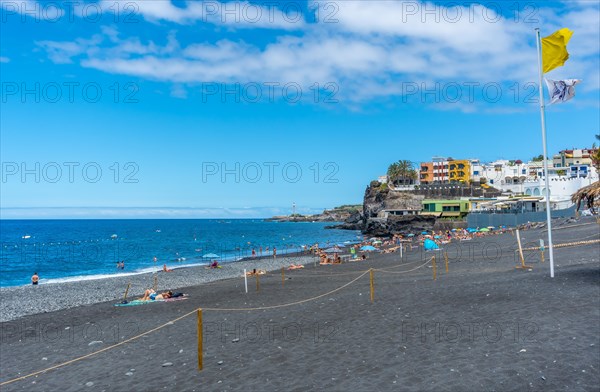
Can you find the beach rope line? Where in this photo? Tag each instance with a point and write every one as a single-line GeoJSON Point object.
{"type": "Point", "coordinates": [570, 227]}
{"type": "Point", "coordinates": [567, 244]}
{"type": "Point", "coordinates": [63, 364]}
{"type": "Point", "coordinates": [288, 304]}
{"type": "Point", "coordinates": [387, 270]}
{"type": "Point", "coordinates": [95, 352]}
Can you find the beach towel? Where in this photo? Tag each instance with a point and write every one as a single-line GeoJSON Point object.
{"type": "Point", "coordinates": [137, 302]}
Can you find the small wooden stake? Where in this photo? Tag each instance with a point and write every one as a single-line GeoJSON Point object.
{"type": "Point", "coordinates": [126, 291]}
{"type": "Point", "coordinates": [282, 276]}
{"type": "Point", "coordinates": [200, 363]}
{"type": "Point", "coordinates": [155, 287]}
{"type": "Point", "coordinates": [522, 266]}
{"type": "Point", "coordinates": [434, 268]}
{"type": "Point", "coordinates": [257, 282]}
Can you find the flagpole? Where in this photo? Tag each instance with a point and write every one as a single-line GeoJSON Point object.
{"type": "Point", "coordinates": [546, 173]}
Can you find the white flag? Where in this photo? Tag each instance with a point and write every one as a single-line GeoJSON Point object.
{"type": "Point", "coordinates": [561, 90]}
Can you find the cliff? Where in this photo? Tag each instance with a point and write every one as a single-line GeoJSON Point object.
{"type": "Point", "coordinates": [372, 220]}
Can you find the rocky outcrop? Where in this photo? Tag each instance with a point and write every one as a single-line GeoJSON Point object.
{"type": "Point", "coordinates": [372, 221]}
{"type": "Point", "coordinates": [378, 197]}
{"type": "Point", "coordinates": [338, 214]}
{"type": "Point", "coordinates": [398, 225]}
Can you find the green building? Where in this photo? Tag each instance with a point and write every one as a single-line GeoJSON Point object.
{"type": "Point", "coordinates": [445, 208]}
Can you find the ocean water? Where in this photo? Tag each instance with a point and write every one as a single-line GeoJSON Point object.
{"type": "Point", "coordinates": [66, 250]}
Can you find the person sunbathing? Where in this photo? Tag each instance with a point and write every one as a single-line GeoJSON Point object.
{"type": "Point", "coordinates": [215, 264]}
{"type": "Point", "coordinates": [165, 269]}
{"type": "Point", "coordinates": [295, 267]}
{"type": "Point", "coordinates": [151, 295]}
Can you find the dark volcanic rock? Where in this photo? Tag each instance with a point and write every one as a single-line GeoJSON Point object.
{"type": "Point", "coordinates": [398, 225]}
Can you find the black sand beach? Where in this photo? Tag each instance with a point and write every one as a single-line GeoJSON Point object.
{"type": "Point", "coordinates": [484, 325]}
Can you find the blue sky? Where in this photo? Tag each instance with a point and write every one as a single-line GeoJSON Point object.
{"type": "Point", "coordinates": [135, 108]}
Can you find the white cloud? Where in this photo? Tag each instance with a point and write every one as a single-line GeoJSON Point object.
{"type": "Point", "coordinates": [233, 14]}
{"type": "Point", "coordinates": [39, 11]}
{"type": "Point", "coordinates": [369, 53]}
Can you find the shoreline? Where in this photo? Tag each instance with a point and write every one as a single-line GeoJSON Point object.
{"type": "Point", "coordinates": [19, 301]}
{"type": "Point", "coordinates": [146, 270]}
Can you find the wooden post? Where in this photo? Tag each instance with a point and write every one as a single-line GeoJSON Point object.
{"type": "Point", "coordinates": [520, 248]}
{"type": "Point", "coordinates": [542, 248]}
{"type": "Point", "coordinates": [434, 268]}
{"type": "Point", "coordinates": [282, 277]}
{"type": "Point", "coordinates": [446, 259]}
{"type": "Point", "coordinates": [246, 280]}
{"type": "Point", "coordinates": [155, 287]}
{"type": "Point", "coordinates": [200, 362]}
{"type": "Point", "coordinates": [522, 266]}
{"type": "Point", "coordinates": [257, 281]}
{"type": "Point", "coordinates": [126, 291]}
{"type": "Point", "coordinates": [372, 285]}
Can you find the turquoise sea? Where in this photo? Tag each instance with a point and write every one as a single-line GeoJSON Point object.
{"type": "Point", "coordinates": [62, 250]}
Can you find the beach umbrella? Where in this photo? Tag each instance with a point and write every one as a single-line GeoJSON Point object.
{"type": "Point", "coordinates": [485, 229]}
{"type": "Point", "coordinates": [424, 233]}
{"type": "Point", "coordinates": [430, 245]}
{"type": "Point", "coordinates": [211, 256]}
{"type": "Point", "coordinates": [368, 248]}
{"type": "Point", "coordinates": [437, 237]}
{"type": "Point", "coordinates": [453, 229]}
{"type": "Point", "coordinates": [340, 245]}
{"type": "Point", "coordinates": [410, 235]}
{"type": "Point", "coordinates": [377, 242]}
{"type": "Point", "coordinates": [332, 250]}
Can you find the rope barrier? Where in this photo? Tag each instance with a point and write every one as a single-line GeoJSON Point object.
{"type": "Point", "coordinates": [173, 322]}
{"type": "Point", "coordinates": [403, 272]}
{"type": "Point", "coordinates": [566, 244]}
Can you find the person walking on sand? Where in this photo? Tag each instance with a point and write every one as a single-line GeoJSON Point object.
{"type": "Point", "coordinates": [35, 279]}
{"type": "Point", "coordinates": [274, 252]}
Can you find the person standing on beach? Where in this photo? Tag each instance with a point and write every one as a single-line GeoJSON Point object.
{"type": "Point", "coordinates": [274, 252]}
{"type": "Point", "coordinates": [35, 279]}
{"type": "Point", "coordinates": [253, 253]}
{"type": "Point", "coordinates": [260, 251]}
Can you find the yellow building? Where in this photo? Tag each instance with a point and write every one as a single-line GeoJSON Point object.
{"type": "Point", "coordinates": [459, 171]}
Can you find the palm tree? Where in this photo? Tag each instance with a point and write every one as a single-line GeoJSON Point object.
{"type": "Point", "coordinates": [596, 155]}
{"type": "Point", "coordinates": [402, 173]}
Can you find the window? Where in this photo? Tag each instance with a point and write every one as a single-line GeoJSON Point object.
{"type": "Point", "coordinates": [476, 172]}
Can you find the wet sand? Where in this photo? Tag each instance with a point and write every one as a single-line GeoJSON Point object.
{"type": "Point", "coordinates": [483, 326]}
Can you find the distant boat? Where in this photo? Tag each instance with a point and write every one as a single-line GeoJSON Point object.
{"type": "Point", "coordinates": [26, 236]}
{"type": "Point", "coordinates": [113, 236]}
{"type": "Point", "coordinates": [158, 231]}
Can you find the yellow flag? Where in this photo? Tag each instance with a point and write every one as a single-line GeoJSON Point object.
{"type": "Point", "coordinates": [554, 49]}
